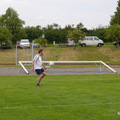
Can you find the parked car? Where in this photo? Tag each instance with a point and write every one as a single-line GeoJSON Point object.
{"type": "Point", "coordinates": [35, 45]}
{"type": "Point", "coordinates": [91, 40]}
{"type": "Point", "coordinates": [24, 43]}
{"type": "Point", "coordinates": [6, 45]}
{"type": "Point", "coordinates": [70, 42]}
{"type": "Point", "coordinates": [116, 43]}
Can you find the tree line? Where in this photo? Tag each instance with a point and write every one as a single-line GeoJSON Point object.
{"type": "Point", "coordinates": [11, 28]}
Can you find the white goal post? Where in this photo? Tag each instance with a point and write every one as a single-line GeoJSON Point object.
{"type": "Point", "coordinates": [95, 62]}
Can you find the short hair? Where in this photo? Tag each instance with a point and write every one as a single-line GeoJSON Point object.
{"type": "Point", "coordinates": [40, 50]}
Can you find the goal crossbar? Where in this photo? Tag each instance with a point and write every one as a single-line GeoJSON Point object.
{"type": "Point", "coordinates": [96, 62]}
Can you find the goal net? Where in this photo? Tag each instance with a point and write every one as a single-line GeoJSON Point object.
{"type": "Point", "coordinates": [69, 67]}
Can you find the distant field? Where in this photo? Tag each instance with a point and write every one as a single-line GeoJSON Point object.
{"type": "Point", "coordinates": [107, 53]}
{"type": "Point", "coordinates": [60, 97]}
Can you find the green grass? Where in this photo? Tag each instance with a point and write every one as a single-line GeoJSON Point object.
{"type": "Point", "coordinates": [107, 53]}
{"type": "Point", "coordinates": [60, 97]}
{"type": "Point", "coordinates": [55, 66]}
{"type": "Point", "coordinates": [9, 66]}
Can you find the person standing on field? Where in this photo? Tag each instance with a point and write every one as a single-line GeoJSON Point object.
{"type": "Point", "coordinates": [38, 66]}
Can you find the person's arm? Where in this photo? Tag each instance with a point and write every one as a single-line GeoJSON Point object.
{"type": "Point", "coordinates": [43, 66]}
{"type": "Point", "coordinates": [33, 65]}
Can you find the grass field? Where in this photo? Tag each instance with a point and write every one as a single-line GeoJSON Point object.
{"type": "Point", "coordinates": [60, 97]}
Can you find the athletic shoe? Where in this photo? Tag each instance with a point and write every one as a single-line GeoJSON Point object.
{"type": "Point", "coordinates": [37, 85]}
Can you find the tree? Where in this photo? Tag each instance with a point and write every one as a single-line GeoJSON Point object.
{"type": "Point", "coordinates": [49, 27]}
{"type": "Point", "coordinates": [11, 21]}
{"type": "Point", "coordinates": [69, 27]}
{"type": "Point", "coordinates": [5, 35]}
{"type": "Point", "coordinates": [40, 40]}
{"type": "Point", "coordinates": [113, 32]}
{"type": "Point", "coordinates": [53, 26]}
{"type": "Point", "coordinates": [33, 32]}
{"type": "Point", "coordinates": [75, 35]}
{"type": "Point", "coordinates": [56, 26]}
{"type": "Point", "coordinates": [79, 26]}
{"type": "Point", "coordinates": [59, 36]}
{"type": "Point", "coordinates": [115, 19]}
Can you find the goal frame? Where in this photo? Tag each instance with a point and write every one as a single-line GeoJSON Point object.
{"type": "Point", "coordinates": [95, 62]}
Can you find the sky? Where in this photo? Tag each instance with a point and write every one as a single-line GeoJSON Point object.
{"type": "Point", "coordinates": [91, 13]}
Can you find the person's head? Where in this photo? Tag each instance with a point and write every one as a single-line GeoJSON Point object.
{"type": "Point", "coordinates": [40, 52]}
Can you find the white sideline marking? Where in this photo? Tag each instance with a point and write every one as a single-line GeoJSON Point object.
{"type": "Point", "coordinates": [53, 106]}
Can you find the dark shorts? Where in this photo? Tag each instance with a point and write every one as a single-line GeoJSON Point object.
{"type": "Point", "coordinates": [39, 71]}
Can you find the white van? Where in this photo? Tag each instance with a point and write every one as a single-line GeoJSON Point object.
{"type": "Point", "coordinates": [91, 40]}
{"type": "Point", "coordinates": [24, 43]}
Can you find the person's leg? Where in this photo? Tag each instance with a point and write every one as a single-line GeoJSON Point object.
{"type": "Point", "coordinates": [40, 77]}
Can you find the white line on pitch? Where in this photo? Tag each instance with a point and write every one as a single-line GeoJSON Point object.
{"type": "Point", "coordinates": [52, 106]}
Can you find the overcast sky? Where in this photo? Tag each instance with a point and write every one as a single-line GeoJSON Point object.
{"type": "Point", "coordinates": [91, 13]}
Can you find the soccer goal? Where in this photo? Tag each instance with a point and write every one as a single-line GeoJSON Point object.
{"type": "Point", "coordinates": [75, 67]}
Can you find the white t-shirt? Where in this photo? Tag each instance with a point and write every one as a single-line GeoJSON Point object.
{"type": "Point", "coordinates": [37, 62]}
